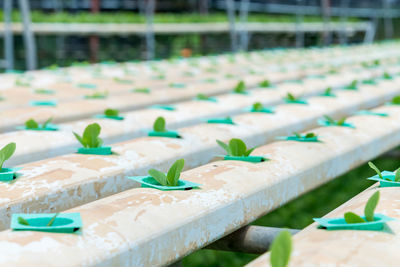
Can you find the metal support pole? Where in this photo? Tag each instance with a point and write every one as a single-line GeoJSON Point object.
{"type": "Point", "coordinates": [299, 22]}
{"type": "Point", "coordinates": [343, 21]}
{"type": "Point", "coordinates": [94, 39]}
{"type": "Point", "coordinates": [230, 9]}
{"type": "Point", "coordinates": [8, 36]}
{"type": "Point", "coordinates": [150, 40]}
{"type": "Point", "coordinates": [29, 39]}
{"type": "Point", "coordinates": [244, 33]}
{"type": "Point", "coordinates": [387, 20]}
{"type": "Point", "coordinates": [326, 17]}
{"type": "Point", "coordinates": [249, 239]}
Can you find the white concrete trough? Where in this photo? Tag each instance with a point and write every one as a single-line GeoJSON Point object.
{"type": "Point", "coordinates": [135, 227]}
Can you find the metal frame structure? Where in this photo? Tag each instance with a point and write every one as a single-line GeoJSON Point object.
{"type": "Point", "coordinates": [29, 38]}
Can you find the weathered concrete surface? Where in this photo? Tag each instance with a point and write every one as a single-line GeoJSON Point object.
{"type": "Point", "coordinates": [135, 227]}
{"type": "Point", "coordinates": [67, 181]}
{"type": "Point", "coordinates": [316, 247]}
{"type": "Point", "coordinates": [137, 123]}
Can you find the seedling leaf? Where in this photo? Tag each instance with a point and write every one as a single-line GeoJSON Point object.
{"type": "Point", "coordinates": [22, 221]}
{"type": "Point", "coordinates": [160, 177]}
{"type": "Point", "coordinates": [291, 97]}
{"type": "Point", "coordinates": [257, 106]}
{"type": "Point", "coordinates": [297, 134]}
{"type": "Point", "coordinates": [351, 217]}
{"type": "Point", "coordinates": [240, 87]}
{"type": "Point", "coordinates": [237, 147]}
{"type": "Point", "coordinates": [202, 97]}
{"type": "Point", "coordinates": [50, 223]}
{"type": "Point", "coordinates": [224, 146]}
{"type": "Point", "coordinates": [372, 166]}
{"type": "Point", "coordinates": [79, 138]}
{"type": "Point", "coordinates": [397, 176]}
{"type": "Point", "coordinates": [111, 112]}
{"type": "Point", "coordinates": [265, 83]}
{"type": "Point", "coordinates": [31, 124]}
{"type": "Point", "coordinates": [175, 172]}
{"type": "Point", "coordinates": [159, 125]}
{"type": "Point", "coordinates": [329, 119]}
{"type": "Point", "coordinates": [328, 91]}
{"type": "Point", "coordinates": [249, 151]}
{"type": "Point", "coordinates": [310, 135]}
{"type": "Point", "coordinates": [341, 121]}
{"type": "Point", "coordinates": [370, 207]}
{"type": "Point", "coordinates": [281, 249]}
{"type": "Point", "coordinates": [396, 100]}
{"type": "Point", "coordinates": [91, 135]}
{"type": "Point", "coordinates": [46, 122]}
{"type": "Point", "coordinates": [6, 152]}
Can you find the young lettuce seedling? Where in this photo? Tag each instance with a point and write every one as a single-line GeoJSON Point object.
{"type": "Point", "coordinates": [265, 84]}
{"type": "Point", "coordinates": [240, 88]}
{"type": "Point", "coordinates": [306, 136]}
{"type": "Point", "coordinates": [378, 172]}
{"type": "Point", "coordinates": [328, 91]}
{"type": "Point", "coordinates": [290, 97]}
{"type": "Point", "coordinates": [90, 137]}
{"type": "Point", "coordinates": [258, 106]}
{"type": "Point", "coordinates": [396, 100]}
{"type": "Point", "coordinates": [172, 177]}
{"type": "Point", "coordinates": [281, 249]}
{"type": "Point", "coordinates": [202, 97]}
{"type": "Point", "coordinates": [236, 148]}
{"type": "Point", "coordinates": [387, 76]}
{"type": "Point", "coordinates": [97, 95]}
{"type": "Point", "coordinates": [50, 223]}
{"type": "Point", "coordinates": [352, 85]}
{"type": "Point", "coordinates": [141, 90]}
{"type": "Point", "coordinates": [111, 112]}
{"type": "Point", "coordinates": [159, 125]}
{"type": "Point", "coordinates": [369, 210]}
{"type": "Point", "coordinates": [6, 152]}
{"type": "Point", "coordinates": [340, 122]}
{"type": "Point", "coordinates": [32, 124]}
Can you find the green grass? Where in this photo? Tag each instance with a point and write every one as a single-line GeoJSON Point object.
{"type": "Point", "coordinates": [299, 212]}
{"type": "Point", "coordinates": [134, 17]}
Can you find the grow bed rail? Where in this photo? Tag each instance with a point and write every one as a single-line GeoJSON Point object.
{"type": "Point", "coordinates": [130, 226]}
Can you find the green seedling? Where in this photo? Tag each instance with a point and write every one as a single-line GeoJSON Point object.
{"type": "Point", "coordinates": [258, 106]}
{"type": "Point", "coordinates": [236, 148]}
{"type": "Point", "coordinates": [90, 137]}
{"type": "Point", "coordinates": [172, 177]}
{"type": "Point", "coordinates": [396, 100]}
{"type": "Point", "coordinates": [378, 172]}
{"type": "Point", "coordinates": [291, 98]}
{"type": "Point", "coordinates": [97, 95]}
{"type": "Point", "coordinates": [50, 223]}
{"type": "Point", "coordinates": [281, 249]}
{"type": "Point", "coordinates": [387, 76]}
{"type": "Point", "coordinates": [6, 152]}
{"type": "Point", "coordinates": [369, 210]}
{"type": "Point", "coordinates": [328, 91]}
{"type": "Point", "coordinates": [265, 84]}
{"type": "Point", "coordinates": [111, 112]}
{"type": "Point", "coordinates": [44, 91]}
{"type": "Point", "coordinates": [340, 122]}
{"type": "Point", "coordinates": [22, 221]}
{"type": "Point", "coordinates": [240, 88]}
{"type": "Point", "coordinates": [352, 85]}
{"type": "Point", "coordinates": [203, 97]}
{"type": "Point", "coordinates": [122, 81]}
{"type": "Point", "coordinates": [141, 90]}
{"type": "Point", "coordinates": [305, 136]}
{"type": "Point", "coordinates": [32, 124]}
{"type": "Point", "coordinates": [159, 125]}
{"type": "Point", "coordinates": [22, 83]}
